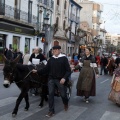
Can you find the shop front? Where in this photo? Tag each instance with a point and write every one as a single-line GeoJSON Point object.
{"type": "Point", "coordinates": [2, 45]}
{"type": "Point", "coordinates": [15, 36]}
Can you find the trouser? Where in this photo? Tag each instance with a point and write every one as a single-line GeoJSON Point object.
{"type": "Point", "coordinates": [62, 89]}
{"type": "Point", "coordinates": [105, 70]}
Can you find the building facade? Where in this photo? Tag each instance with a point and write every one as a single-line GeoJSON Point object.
{"type": "Point", "coordinates": [73, 23]}
{"type": "Point", "coordinates": [102, 34]}
{"type": "Point", "coordinates": [44, 32]}
{"type": "Point", "coordinates": [91, 12]}
{"type": "Point", "coordinates": [22, 24]}
{"type": "Point", "coordinates": [17, 21]}
{"type": "Point", "coordinates": [61, 21]}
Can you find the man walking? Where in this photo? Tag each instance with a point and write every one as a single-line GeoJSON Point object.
{"type": "Point", "coordinates": [103, 63]}
{"type": "Point", "coordinates": [58, 70]}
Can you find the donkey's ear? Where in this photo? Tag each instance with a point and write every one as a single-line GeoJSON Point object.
{"type": "Point", "coordinates": [16, 59]}
{"type": "Point", "coordinates": [4, 58]}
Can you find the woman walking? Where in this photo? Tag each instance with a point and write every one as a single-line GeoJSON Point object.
{"type": "Point", "coordinates": [114, 95]}
{"type": "Point", "coordinates": [86, 81]}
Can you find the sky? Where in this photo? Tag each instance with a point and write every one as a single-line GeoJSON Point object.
{"type": "Point", "coordinates": [111, 15]}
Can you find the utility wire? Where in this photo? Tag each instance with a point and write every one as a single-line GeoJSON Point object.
{"type": "Point", "coordinates": [111, 4]}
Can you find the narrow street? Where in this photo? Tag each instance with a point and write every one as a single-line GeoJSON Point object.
{"type": "Point", "coordinates": [99, 108]}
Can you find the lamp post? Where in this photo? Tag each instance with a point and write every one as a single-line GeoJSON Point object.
{"type": "Point", "coordinates": [45, 28]}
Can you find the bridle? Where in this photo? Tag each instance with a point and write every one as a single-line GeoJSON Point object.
{"type": "Point", "coordinates": [11, 74]}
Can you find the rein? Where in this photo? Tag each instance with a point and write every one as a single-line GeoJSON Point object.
{"type": "Point", "coordinates": [24, 77]}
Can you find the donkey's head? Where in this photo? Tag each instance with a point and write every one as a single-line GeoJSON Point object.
{"type": "Point", "coordinates": [8, 70]}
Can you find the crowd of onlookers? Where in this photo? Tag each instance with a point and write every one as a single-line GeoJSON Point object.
{"type": "Point", "coordinates": [106, 64]}
{"type": "Point", "coordinates": [11, 54]}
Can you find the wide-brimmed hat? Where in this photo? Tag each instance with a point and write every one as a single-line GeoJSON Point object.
{"type": "Point", "coordinates": [56, 47]}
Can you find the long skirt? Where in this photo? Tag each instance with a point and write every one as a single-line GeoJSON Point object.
{"type": "Point", "coordinates": [114, 96]}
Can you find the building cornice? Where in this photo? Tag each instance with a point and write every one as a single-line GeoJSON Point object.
{"type": "Point", "coordinates": [76, 4]}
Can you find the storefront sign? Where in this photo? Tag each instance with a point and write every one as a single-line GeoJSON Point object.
{"type": "Point", "coordinates": [16, 29]}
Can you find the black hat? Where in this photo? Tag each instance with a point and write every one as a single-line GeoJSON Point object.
{"type": "Point", "coordinates": [56, 47]}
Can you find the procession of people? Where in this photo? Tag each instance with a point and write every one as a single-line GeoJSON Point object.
{"type": "Point", "coordinates": [60, 66]}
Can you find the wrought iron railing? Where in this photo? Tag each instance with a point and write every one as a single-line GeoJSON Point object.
{"type": "Point", "coordinates": [48, 3]}
{"type": "Point", "coordinates": [13, 13]}
{"type": "Point", "coordinates": [74, 18]}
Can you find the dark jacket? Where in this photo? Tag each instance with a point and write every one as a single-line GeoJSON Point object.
{"type": "Point", "coordinates": [9, 55]}
{"type": "Point", "coordinates": [117, 61]}
{"type": "Point", "coordinates": [21, 59]}
{"type": "Point", "coordinates": [57, 68]}
{"type": "Point", "coordinates": [104, 61]}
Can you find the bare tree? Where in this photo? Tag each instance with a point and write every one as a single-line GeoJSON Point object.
{"type": "Point", "coordinates": [77, 37]}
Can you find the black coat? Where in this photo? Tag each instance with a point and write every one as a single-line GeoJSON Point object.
{"type": "Point", "coordinates": [104, 61]}
{"type": "Point", "coordinates": [57, 68]}
{"type": "Point", "coordinates": [117, 61]}
{"type": "Point", "coordinates": [9, 55]}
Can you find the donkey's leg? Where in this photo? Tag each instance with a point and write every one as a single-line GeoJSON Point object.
{"type": "Point", "coordinates": [18, 101]}
{"type": "Point", "coordinates": [27, 102]}
{"type": "Point", "coordinates": [43, 96]}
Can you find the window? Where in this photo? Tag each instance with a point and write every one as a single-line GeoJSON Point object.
{"type": "Point", "coordinates": [2, 7]}
{"type": "Point", "coordinates": [57, 21]}
{"type": "Point", "coordinates": [65, 4]}
{"type": "Point", "coordinates": [45, 2]}
{"type": "Point", "coordinates": [57, 2]}
{"type": "Point", "coordinates": [27, 45]}
{"type": "Point", "coordinates": [15, 3]}
{"type": "Point", "coordinates": [17, 9]}
{"type": "Point", "coordinates": [37, 41]}
{"type": "Point", "coordinates": [30, 11]}
{"type": "Point", "coordinates": [16, 42]}
{"type": "Point", "coordinates": [64, 24]}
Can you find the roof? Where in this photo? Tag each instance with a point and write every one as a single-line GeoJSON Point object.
{"type": "Point", "coordinates": [72, 1]}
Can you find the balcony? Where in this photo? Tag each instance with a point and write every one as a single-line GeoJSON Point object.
{"type": "Point", "coordinates": [9, 13]}
{"type": "Point", "coordinates": [78, 19]}
{"type": "Point", "coordinates": [100, 21]}
{"type": "Point", "coordinates": [72, 17]}
{"type": "Point", "coordinates": [46, 3]}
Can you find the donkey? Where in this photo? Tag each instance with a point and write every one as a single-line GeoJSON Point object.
{"type": "Point", "coordinates": [22, 76]}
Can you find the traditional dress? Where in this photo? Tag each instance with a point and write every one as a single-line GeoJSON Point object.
{"type": "Point", "coordinates": [86, 82]}
{"type": "Point", "coordinates": [114, 95]}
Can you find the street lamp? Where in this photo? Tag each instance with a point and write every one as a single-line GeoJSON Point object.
{"type": "Point", "coordinates": [46, 19]}
{"type": "Point", "coordinates": [45, 29]}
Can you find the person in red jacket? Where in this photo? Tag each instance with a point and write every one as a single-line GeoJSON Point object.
{"type": "Point", "coordinates": [98, 60]}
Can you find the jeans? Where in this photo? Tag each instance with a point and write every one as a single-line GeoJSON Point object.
{"type": "Point", "coordinates": [103, 68]}
{"type": "Point", "coordinates": [62, 89]}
